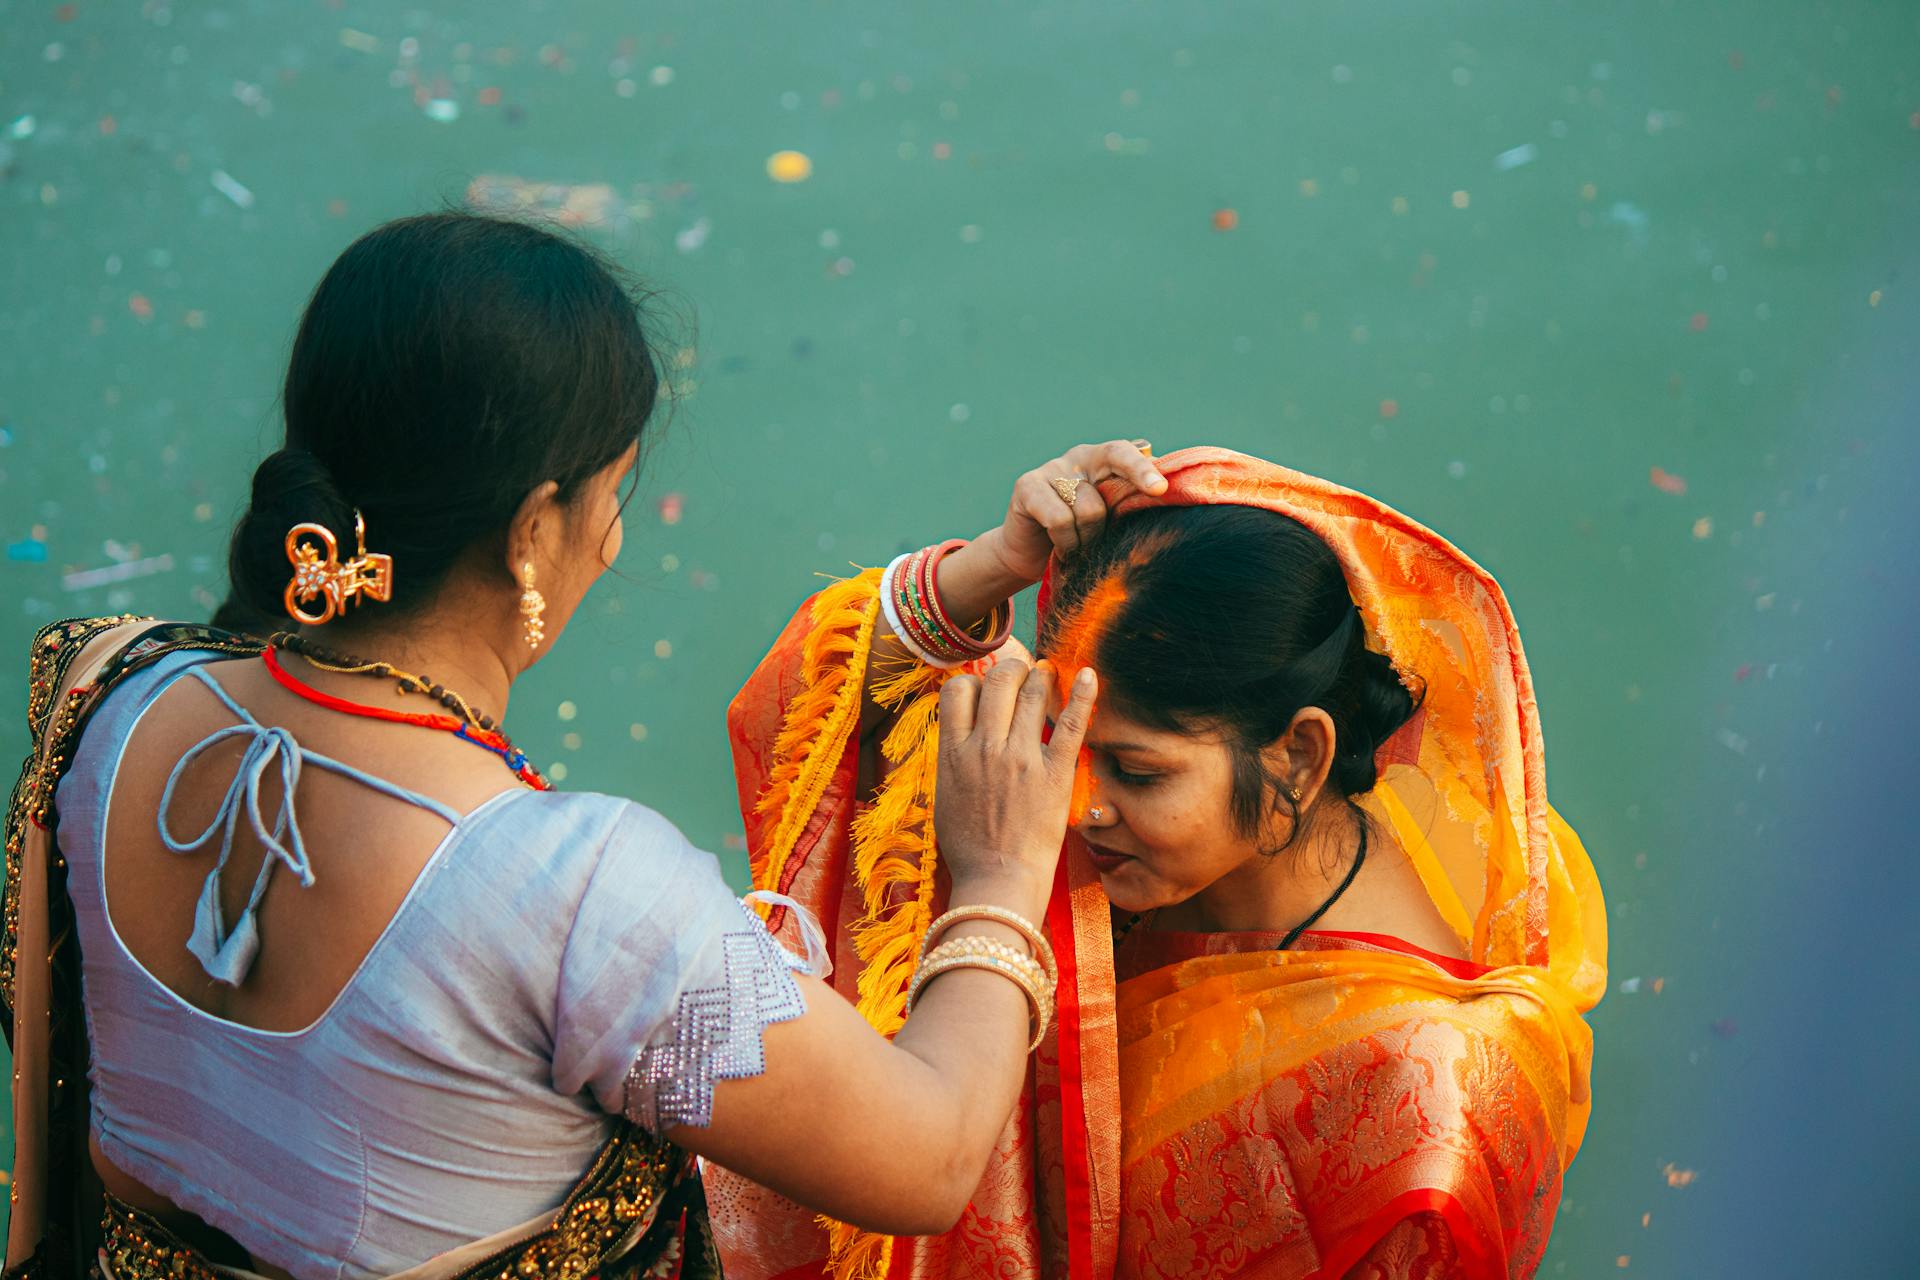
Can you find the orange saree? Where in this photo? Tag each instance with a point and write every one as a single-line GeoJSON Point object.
{"type": "Point", "coordinates": [1350, 1107]}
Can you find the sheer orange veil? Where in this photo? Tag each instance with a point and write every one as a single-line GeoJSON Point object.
{"type": "Point", "coordinates": [1503, 871]}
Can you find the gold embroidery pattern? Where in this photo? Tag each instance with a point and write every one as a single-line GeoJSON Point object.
{"type": "Point", "coordinates": [999, 1234]}
{"type": "Point", "coordinates": [612, 1207]}
{"type": "Point", "coordinates": [1217, 1199]}
{"type": "Point", "coordinates": [139, 1248]}
{"type": "Point", "coordinates": [53, 652]}
{"type": "Point", "coordinates": [1418, 1248]}
{"type": "Point", "coordinates": [1317, 1152]}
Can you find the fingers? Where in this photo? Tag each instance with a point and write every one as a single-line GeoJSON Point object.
{"type": "Point", "coordinates": [1075, 524]}
{"type": "Point", "coordinates": [959, 700]}
{"type": "Point", "coordinates": [1042, 502]}
{"type": "Point", "coordinates": [1122, 460]}
{"type": "Point", "coordinates": [993, 717]}
{"type": "Point", "coordinates": [1030, 711]}
{"type": "Point", "coordinates": [1070, 726]}
{"type": "Point", "coordinates": [1069, 526]}
{"type": "Point", "coordinates": [1089, 513]}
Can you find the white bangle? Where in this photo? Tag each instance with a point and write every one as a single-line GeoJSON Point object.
{"type": "Point", "coordinates": [900, 632]}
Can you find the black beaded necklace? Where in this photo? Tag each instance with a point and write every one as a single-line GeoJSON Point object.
{"type": "Point", "coordinates": [346, 664]}
{"type": "Point", "coordinates": [1293, 935]}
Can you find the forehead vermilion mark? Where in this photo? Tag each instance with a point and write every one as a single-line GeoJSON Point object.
{"type": "Point", "coordinates": [1077, 639]}
{"type": "Point", "coordinates": [1076, 642]}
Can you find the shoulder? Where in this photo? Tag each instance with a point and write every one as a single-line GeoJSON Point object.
{"type": "Point", "coordinates": [605, 853]}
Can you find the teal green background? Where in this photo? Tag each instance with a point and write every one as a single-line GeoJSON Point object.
{"type": "Point", "coordinates": [1704, 264]}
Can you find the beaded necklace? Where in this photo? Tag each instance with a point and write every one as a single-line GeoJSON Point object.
{"type": "Point", "coordinates": [470, 726]}
{"type": "Point", "coordinates": [1293, 935]}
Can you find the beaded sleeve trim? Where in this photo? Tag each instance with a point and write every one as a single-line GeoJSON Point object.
{"type": "Point", "coordinates": [715, 1034]}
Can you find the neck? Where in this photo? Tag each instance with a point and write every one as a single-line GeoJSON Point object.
{"type": "Point", "coordinates": [464, 659]}
{"type": "Point", "coordinates": [1272, 894]}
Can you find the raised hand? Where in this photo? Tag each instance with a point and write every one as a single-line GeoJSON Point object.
{"type": "Point", "coordinates": [1040, 521]}
{"type": "Point", "coordinates": [1003, 793]}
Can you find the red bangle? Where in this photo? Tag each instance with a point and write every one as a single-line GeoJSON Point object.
{"type": "Point", "coordinates": [915, 617]}
{"type": "Point", "coordinates": [998, 628]}
{"type": "Point", "coordinates": [950, 635]}
{"type": "Point", "coordinates": [954, 637]}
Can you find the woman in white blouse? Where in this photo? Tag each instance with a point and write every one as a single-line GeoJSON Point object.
{"type": "Point", "coordinates": [347, 991]}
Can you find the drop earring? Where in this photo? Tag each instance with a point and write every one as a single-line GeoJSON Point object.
{"type": "Point", "coordinates": [533, 606]}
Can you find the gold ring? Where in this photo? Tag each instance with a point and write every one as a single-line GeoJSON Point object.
{"type": "Point", "coordinates": [1068, 487]}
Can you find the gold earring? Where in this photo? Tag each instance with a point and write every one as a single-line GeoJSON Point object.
{"type": "Point", "coordinates": [1294, 794]}
{"type": "Point", "coordinates": [534, 606]}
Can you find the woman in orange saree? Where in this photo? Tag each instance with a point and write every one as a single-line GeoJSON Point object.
{"type": "Point", "coordinates": [1395, 1092]}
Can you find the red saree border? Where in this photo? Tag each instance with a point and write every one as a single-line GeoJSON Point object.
{"type": "Point", "coordinates": [1463, 969]}
{"type": "Point", "coordinates": [1073, 1115]}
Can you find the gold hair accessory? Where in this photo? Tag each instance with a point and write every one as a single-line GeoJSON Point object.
{"type": "Point", "coordinates": [534, 606]}
{"type": "Point", "coordinates": [1068, 487]}
{"type": "Point", "coordinates": [322, 576]}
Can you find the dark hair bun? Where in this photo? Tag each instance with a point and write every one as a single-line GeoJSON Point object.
{"type": "Point", "coordinates": [496, 354]}
{"type": "Point", "coordinates": [1374, 706]}
{"type": "Point", "coordinates": [290, 487]}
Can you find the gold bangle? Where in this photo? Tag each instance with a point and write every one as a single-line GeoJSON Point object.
{"type": "Point", "coordinates": [1042, 1015]}
{"type": "Point", "coordinates": [1023, 972]}
{"type": "Point", "coordinates": [991, 948]}
{"type": "Point", "coordinates": [993, 957]}
{"type": "Point", "coordinates": [1042, 949]}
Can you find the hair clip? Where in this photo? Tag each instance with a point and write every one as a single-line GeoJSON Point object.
{"type": "Point", "coordinates": [322, 575]}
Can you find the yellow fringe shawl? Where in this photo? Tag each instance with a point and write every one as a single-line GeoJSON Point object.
{"type": "Point", "coordinates": [894, 857]}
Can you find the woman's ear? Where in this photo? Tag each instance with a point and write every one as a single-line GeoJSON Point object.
{"type": "Point", "coordinates": [532, 534]}
{"type": "Point", "coordinates": [1302, 756]}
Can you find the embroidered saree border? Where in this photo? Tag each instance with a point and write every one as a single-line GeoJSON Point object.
{"type": "Point", "coordinates": [54, 650]}
{"type": "Point", "coordinates": [602, 1221]}
{"type": "Point", "coordinates": [39, 956]}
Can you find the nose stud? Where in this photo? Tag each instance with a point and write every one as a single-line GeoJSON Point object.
{"type": "Point", "coordinates": [1097, 814]}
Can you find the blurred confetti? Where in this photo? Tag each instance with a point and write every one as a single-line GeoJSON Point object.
{"type": "Point", "coordinates": [1666, 482]}
{"type": "Point", "coordinates": [230, 187]}
{"type": "Point", "coordinates": [124, 571]}
{"type": "Point", "coordinates": [789, 167]}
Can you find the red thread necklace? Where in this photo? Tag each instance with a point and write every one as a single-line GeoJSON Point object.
{"type": "Point", "coordinates": [489, 739]}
